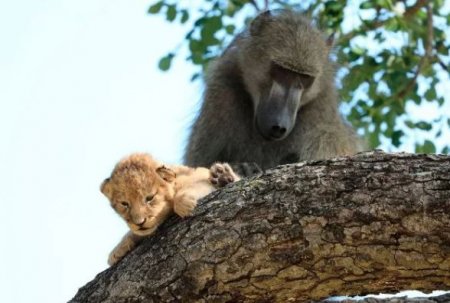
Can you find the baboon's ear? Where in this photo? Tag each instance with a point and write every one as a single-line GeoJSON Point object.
{"type": "Point", "coordinates": [258, 23]}
{"type": "Point", "coordinates": [166, 173]}
{"type": "Point", "coordinates": [106, 188]}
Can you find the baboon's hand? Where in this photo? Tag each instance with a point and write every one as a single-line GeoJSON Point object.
{"type": "Point", "coordinates": [221, 174]}
{"type": "Point", "coordinates": [246, 169]}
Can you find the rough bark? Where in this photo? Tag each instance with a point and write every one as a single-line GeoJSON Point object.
{"type": "Point", "coordinates": [370, 223]}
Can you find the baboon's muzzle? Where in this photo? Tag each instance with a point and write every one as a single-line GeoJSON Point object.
{"type": "Point", "coordinates": [276, 114]}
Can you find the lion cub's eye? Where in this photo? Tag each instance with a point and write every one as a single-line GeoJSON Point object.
{"type": "Point", "coordinates": [149, 199]}
{"type": "Point", "coordinates": [125, 204]}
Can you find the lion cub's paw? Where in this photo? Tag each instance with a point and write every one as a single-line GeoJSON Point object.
{"type": "Point", "coordinates": [119, 252]}
{"type": "Point", "coordinates": [221, 174]}
{"type": "Point", "coordinates": [184, 205]}
{"type": "Point", "coordinates": [114, 257]}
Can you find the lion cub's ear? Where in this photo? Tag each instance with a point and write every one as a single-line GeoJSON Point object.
{"type": "Point", "coordinates": [105, 188]}
{"type": "Point", "coordinates": [166, 173]}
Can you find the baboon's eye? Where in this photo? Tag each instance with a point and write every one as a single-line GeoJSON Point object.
{"type": "Point", "coordinates": [125, 204]}
{"type": "Point", "coordinates": [306, 80]}
{"type": "Point", "coordinates": [149, 199]}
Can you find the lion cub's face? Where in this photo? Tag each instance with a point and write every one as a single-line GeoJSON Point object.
{"type": "Point", "coordinates": [141, 191]}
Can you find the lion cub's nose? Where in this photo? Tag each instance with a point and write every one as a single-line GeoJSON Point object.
{"type": "Point", "coordinates": [140, 221]}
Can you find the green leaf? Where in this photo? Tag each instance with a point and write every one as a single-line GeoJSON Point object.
{"type": "Point", "coordinates": [214, 23]}
{"type": "Point", "coordinates": [165, 62]}
{"type": "Point", "coordinates": [199, 21]}
{"type": "Point", "coordinates": [171, 13]}
{"type": "Point", "coordinates": [155, 8]}
{"type": "Point", "coordinates": [423, 125]}
{"type": "Point", "coordinates": [184, 16]}
{"type": "Point", "coordinates": [446, 150]}
{"type": "Point", "coordinates": [367, 5]}
{"type": "Point", "coordinates": [410, 124]}
{"type": "Point", "coordinates": [426, 148]}
{"type": "Point", "coordinates": [416, 98]}
{"type": "Point", "coordinates": [231, 9]}
{"type": "Point", "coordinates": [396, 136]}
{"type": "Point", "coordinates": [392, 24]}
{"type": "Point", "coordinates": [230, 29]}
{"type": "Point", "coordinates": [210, 27]}
{"type": "Point", "coordinates": [374, 139]}
{"type": "Point", "coordinates": [197, 58]}
{"type": "Point", "coordinates": [195, 76]}
{"type": "Point", "coordinates": [196, 46]}
{"type": "Point", "coordinates": [333, 6]}
{"type": "Point", "coordinates": [430, 94]}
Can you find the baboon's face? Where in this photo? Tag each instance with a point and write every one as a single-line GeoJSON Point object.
{"type": "Point", "coordinates": [284, 55]}
{"type": "Point", "coordinates": [277, 107]}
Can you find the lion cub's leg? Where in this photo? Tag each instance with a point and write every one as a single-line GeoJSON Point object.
{"type": "Point", "coordinates": [191, 187]}
{"type": "Point", "coordinates": [200, 182]}
{"type": "Point", "coordinates": [128, 243]}
{"type": "Point", "coordinates": [222, 174]}
{"type": "Point", "coordinates": [184, 203]}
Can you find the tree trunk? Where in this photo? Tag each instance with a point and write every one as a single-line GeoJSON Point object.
{"type": "Point", "coordinates": [370, 223]}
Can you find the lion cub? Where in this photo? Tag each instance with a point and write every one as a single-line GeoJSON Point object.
{"type": "Point", "coordinates": [144, 193]}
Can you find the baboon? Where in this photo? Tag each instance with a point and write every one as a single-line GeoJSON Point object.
{"type": "Point", "coordinates": [271, 98]}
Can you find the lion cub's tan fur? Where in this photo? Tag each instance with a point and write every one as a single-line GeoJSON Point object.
{"type": "Point", "coordinates": [144, 193]}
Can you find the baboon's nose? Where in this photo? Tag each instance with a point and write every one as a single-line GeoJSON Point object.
{"type": "Point", "coordinates": [277, 131]}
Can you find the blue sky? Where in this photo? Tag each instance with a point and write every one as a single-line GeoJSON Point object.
{"type": "Point", "coordinates": [80, 89]}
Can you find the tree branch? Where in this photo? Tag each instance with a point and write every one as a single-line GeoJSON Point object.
{"type": "Point", "coordinates": [255, 5]}
{"type": "Point", "coordinates": [412, 10]}
{"type": "Point", "coordinates": [409, 12]}
{"type": "Point", "coordinates": [428, 47]}
{"type": "Point", "coordinates": [370, 223]}
{"type": "Point", "coordinates": [441, 63]}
